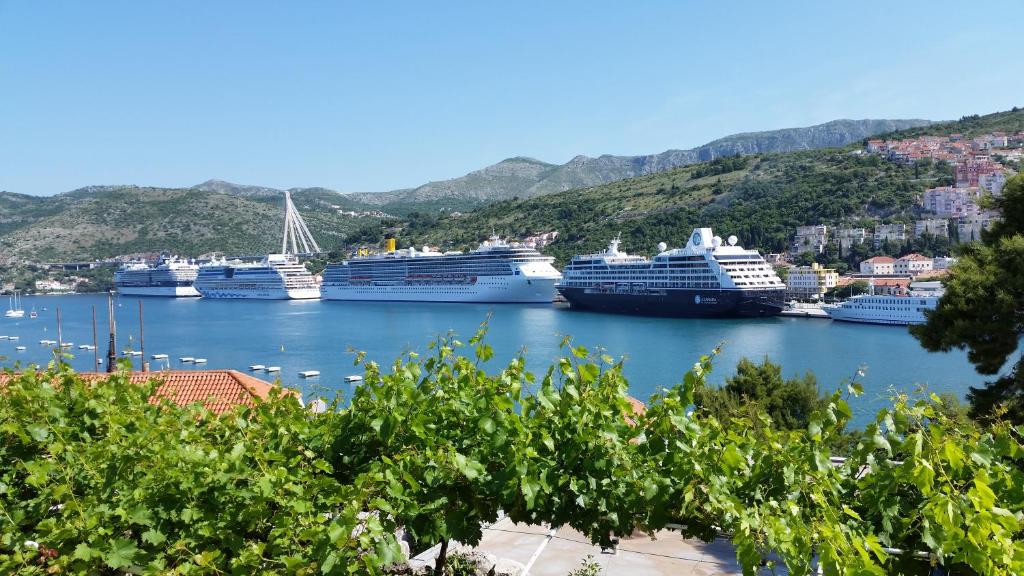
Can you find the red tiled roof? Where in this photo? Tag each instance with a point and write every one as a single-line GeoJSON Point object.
{"type": "Point", "coordinates": [637, 407]}
{"type": "Point", "coordinates": [880, 260]}
{"type": "Point", "coordinates": [218, 391]}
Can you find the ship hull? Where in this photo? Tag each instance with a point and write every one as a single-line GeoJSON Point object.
{"type": "Point", "coordinates": [680, 303]}
{"type": "Point", "coordinates": [261, 294]}
{"type": "Point", "coordinates": [164, 291]}
{"type": "Point", "coordinates": [498, 289]}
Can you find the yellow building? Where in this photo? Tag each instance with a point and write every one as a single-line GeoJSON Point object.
{"type": "Point", "coordinates": [810, 282]}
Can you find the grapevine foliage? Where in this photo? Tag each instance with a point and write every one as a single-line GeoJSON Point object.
{"type": "Point", "coordinates": [96, 479]}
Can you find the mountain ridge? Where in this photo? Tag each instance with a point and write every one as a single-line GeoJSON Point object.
{"type": "Point", "coordinates": [527, 177]}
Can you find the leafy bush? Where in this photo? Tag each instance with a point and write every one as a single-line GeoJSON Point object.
{"type": "Point", "coordinates": [94, 479]}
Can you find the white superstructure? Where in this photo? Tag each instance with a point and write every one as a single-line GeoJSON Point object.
{"type": "Point", "coordinates": [169, 277]}
{"type": "Point", "coordinates": [893, 310]}
{"type": "Point", "coordinates": [497, 271]}
{"type": "Point", "coordinates": [275, 277]}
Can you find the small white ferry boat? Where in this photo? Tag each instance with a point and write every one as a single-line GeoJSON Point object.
{"type": "Point", "coordinates": [902, 310]}
{"type": "Point", "coordinates": [309, 373]}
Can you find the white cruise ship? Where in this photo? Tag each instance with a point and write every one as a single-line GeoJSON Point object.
{"type": "Point", "coordinates": [892, 310]}
{"type": "Point", "coordinates": [275, 277]}
{"type": "Point", "coordinates": [706, 278]}
{"type": "Point", "coordinates": [169, 277]}
{"type": "Point", "coordinates": [496, 271]}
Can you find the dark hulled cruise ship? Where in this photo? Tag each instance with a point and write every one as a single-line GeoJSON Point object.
{"type": "Point", "coordinates": [706, 278]}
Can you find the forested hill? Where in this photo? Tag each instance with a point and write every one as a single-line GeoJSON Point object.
{"type": "Point", "coordinates": [100, 222]}
{"type": "Point", "coordinates": [761, 199]}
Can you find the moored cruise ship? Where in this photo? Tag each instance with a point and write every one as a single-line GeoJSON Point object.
{"type": "Point", "coordinates": [496, 271]}
{"type": "Point", "coordinates": [275, 277]}
{"type": "Point", "coordinates": [901, 310]}
{"type": "Point", "coordinates": [706, 278]}
{"type": "Point", "coordinates": [169, 277]}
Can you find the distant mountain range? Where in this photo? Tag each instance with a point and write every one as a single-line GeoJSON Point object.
{"type": "Point", "coordinates": [522, 177]}
{"type": "Point", "coordinates": [103, 221]}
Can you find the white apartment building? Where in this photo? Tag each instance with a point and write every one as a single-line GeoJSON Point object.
{"type": "Point", "coordinates": [938, 227]}
{"type": "Point", "coordinates": [952, 202]}
{"type": "Point", "coordinates": [912, 265]}
{"type": "Point", "coordinates": [968, 229]}
{"type": "Point", "coordinates": [850, 237]}
{"type": "Point", "coordinates": [894, 233]}
{"type": "Point", "coordinates": [810, 239]}
{"type": "Point", "coordinates": [878, 266]}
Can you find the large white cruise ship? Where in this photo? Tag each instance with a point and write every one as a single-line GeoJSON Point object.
{"type": "Point", "coordinates": [706, 278]}
{"type": "Point", "coordinates": [275, 277]}
{"type": "Point", "coordinates": [169, 277]}
{"type": "Point", "coordinates": [892, 310]}
{"type": "Point", "coordinates": [496, 271]}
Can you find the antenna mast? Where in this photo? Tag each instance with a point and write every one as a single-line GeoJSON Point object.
{"type": "Point", "coordinates": [296, 234]}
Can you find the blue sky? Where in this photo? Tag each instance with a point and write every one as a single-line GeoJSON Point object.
{"type": "Point", "coordinates": [369, 96]}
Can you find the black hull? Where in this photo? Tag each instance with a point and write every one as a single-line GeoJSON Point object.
{"type": "Point", "coordinates": [680, 303]}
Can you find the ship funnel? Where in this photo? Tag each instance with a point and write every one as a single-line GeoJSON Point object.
{"type": "Point", "coordinates": [389, 243]}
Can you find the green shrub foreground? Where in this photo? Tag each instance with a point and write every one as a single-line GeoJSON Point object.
{"type": "Point", "coordinates": [94, 479]}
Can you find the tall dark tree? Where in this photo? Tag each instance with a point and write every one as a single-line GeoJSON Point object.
{"type": "Point", "coordinates": [983, 308]}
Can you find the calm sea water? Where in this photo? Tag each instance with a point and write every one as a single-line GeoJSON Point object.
{"type": "Point", "coordinates": [317, 335]}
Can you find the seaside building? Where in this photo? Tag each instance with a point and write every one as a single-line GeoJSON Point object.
{"type": "Point", "coordinates": [893, 233]}
{"type": "Point", "coordinates": [850, 237]}
{"type": "Point", "coordinates": [938, 227]}
{"type": "Point", "coordinates": [878, 266]}
{"type": "Point", "coordinates": [810, 239]}
{"type": "Point", "coordinates": [912, 265]}
{"type": "Point", "coordinates": [943, 262]}
{"type": "Point", "coordinates": [810, 282]}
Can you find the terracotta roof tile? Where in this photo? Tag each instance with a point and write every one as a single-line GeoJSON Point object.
{"type": "Point", "coordinates": [218, 391]}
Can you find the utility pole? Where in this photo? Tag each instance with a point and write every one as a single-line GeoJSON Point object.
{"type": "Point", "coordinates": [112, 327]}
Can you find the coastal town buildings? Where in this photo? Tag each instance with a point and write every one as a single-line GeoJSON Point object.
{"type": "Point", "coordinates": [810, 282]}
{"type": "Point", "coordinates": [969, 228]}
{"type": "Point", "coordinates": [943, 262]}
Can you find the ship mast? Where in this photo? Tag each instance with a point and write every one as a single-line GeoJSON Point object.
{"type": "Point", "coordinates": [296, 233]}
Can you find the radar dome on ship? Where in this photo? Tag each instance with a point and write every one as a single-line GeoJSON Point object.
{"type": "Point", "coordinates": [662, 246]}
{"type": "Point", "coordinates": [733, 240]}
{"type": "Point", "coordinates": [716, 241]}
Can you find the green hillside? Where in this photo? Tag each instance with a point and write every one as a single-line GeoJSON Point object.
{"type": "Point", "coordinates": [760, 199]}
{"type": "Point", "coordinates": [110, 221]}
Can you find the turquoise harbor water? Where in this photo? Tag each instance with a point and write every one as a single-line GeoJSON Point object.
{"type": "Point", "coordinates": [318, 335]}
